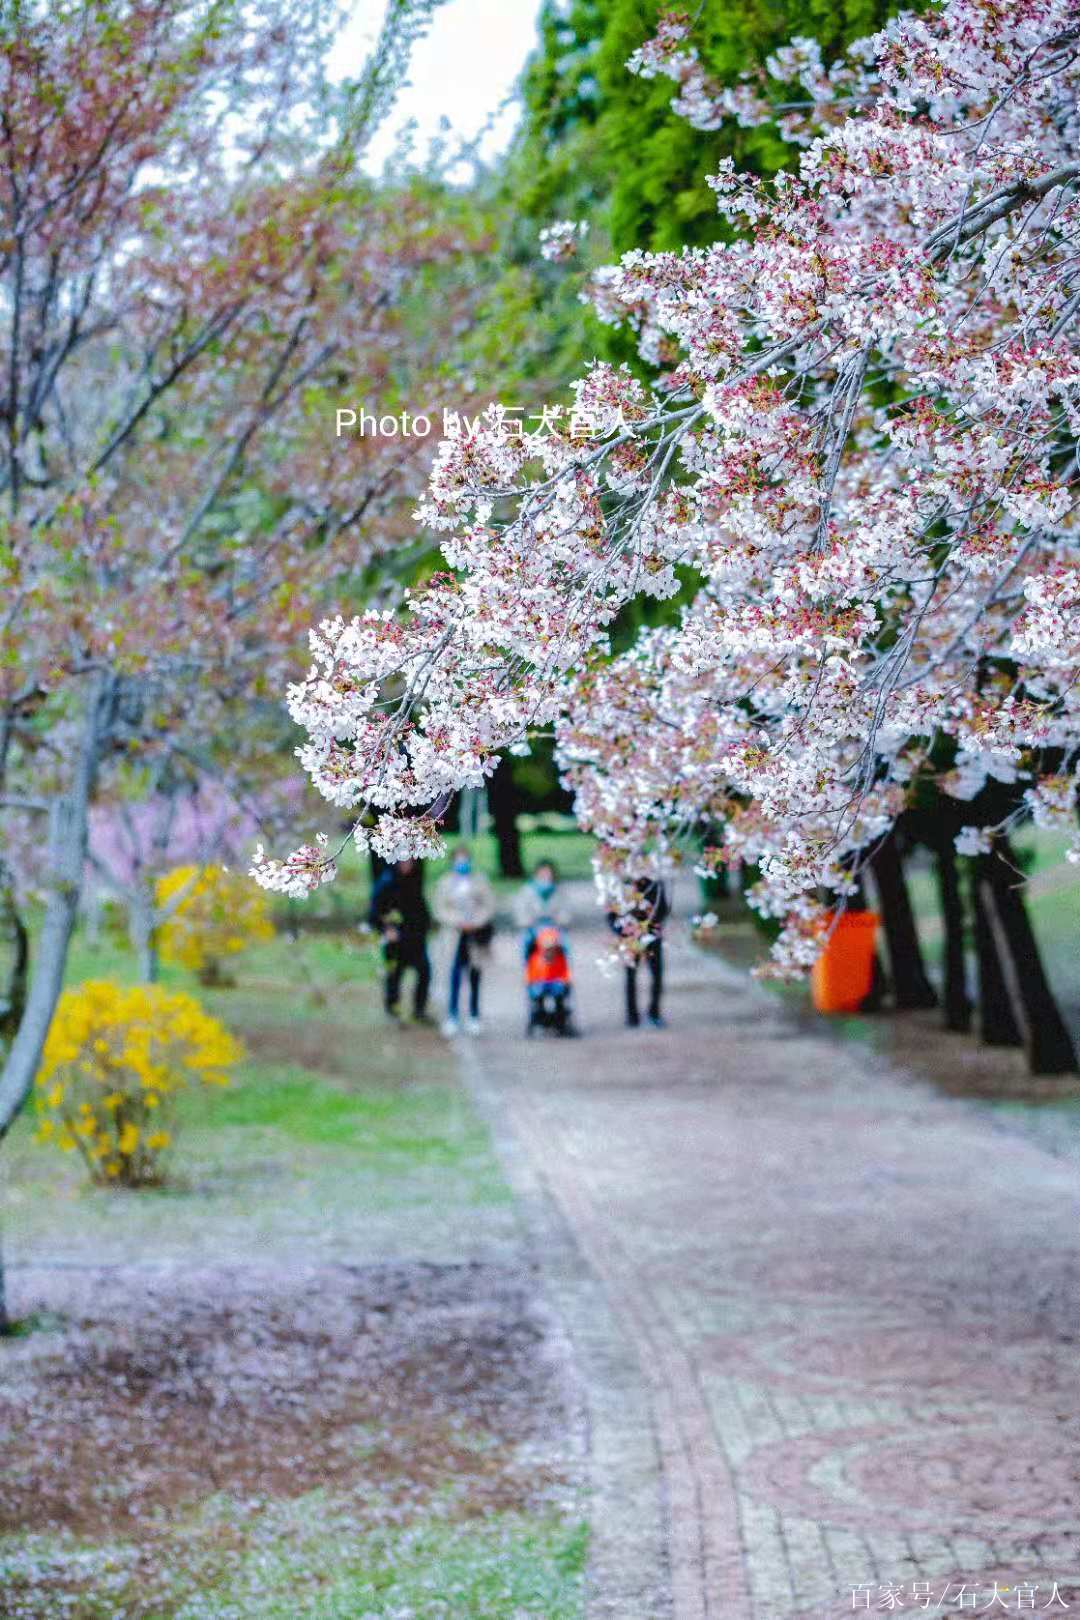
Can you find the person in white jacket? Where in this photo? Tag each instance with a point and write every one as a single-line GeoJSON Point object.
{"type": "Point", "coordinates": [540, 900]}
{"type": "Point", "coordinates": [464, 902]}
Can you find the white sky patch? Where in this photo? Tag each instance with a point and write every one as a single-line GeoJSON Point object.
{"type": "Point", "coordinates": [462, 71]}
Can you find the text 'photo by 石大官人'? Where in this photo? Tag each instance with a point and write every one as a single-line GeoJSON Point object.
{"type": "Point", "coordinates": [539, 809]}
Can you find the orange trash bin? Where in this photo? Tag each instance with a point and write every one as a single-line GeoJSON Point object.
{"type": "Point", "coordinates": [844, 972]}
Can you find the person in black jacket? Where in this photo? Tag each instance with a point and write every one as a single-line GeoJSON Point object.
{"type": "Point", "coordinates": [399, 912]}
{"type": "Point", "coordinates": [652, 910]}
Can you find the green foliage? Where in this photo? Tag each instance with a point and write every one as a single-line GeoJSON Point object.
{"type": "Point", "coordinates": [503, 1568]}
{"type": "Point", "coordinates": [658, 198]}
{"type": "Point", "coordinates": [600, 144]}
{"type": "Point", "coordinates": [510, 1566]}
{"type": "Point", "coordinates": [389, 1130]}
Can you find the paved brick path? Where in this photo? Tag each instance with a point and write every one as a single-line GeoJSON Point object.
{"type": "Point", "coordinates": [828, 1321]}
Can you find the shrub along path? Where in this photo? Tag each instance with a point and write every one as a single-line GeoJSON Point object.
{"type": "Point", "coordinates": [828, 1318]}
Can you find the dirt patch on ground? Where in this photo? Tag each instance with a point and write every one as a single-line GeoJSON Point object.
{"type": "Point", "coordinates": [339, 1050]}
{"type": "Point", "coordinates": [961, 1066]}
{"type": "Point", "coordinates": [166, 1387]}
{"type": "Point", "coordinates": [320, 1046]}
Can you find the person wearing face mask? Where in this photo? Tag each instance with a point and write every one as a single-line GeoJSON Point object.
{"type": "Point", "coordinates": [540, 901]}
{"type": "Point", "coordinates": [465, 904]}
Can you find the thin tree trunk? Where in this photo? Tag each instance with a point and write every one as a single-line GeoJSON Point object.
{"type": "Point", "coordinates": [956, 998]}
{"type": "Point", "coordinates": [503, 805]}
{"type": "Point", "coordinates": [65, 859]}
{"type": "Point", "coordinates": [91, 917]}
{"type": "Point", "coordinates": [1049, 1045]}
{"type": "Point", "coordinates": [14, 999]}
{"type": "Point", "coordinates": [911, 986]}
{"type": "Point", "coordinates": [10, 1018]}
{"type": "Point", "coordinates": [997, 1020]}
{"type": "Point", "coordinates": [143, 927]}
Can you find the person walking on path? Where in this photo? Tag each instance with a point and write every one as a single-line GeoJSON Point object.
{"type": "Point", "coordinates": [399, 913]}
{"type": "Point", "coordinates": [651, 913]}
{"type": "Point", "coordinates": [464, 902]}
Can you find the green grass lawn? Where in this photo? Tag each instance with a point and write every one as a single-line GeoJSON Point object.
{"type": "Point", "coordinates": [338, 1133]}
{"type": "Point", "coordinates": [303, 1562]}
{"type": "Point", "coordinates": [506, 1566]}
{"type": "Point", "coordinates": [342, 1141]}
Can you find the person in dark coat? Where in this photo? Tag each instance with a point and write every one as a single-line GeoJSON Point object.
{"type": "Point", "coordinates": [652, 910]}
{"type": "Point", "coordinates": [399, 912]}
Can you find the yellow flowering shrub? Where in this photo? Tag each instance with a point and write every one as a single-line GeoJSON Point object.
{"type": "Point", "coordinates": [114, 1063]}
{"type": "Point", "coordinates": [211, 914]}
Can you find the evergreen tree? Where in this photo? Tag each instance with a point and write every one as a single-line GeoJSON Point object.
{"type": "Point", "coordinates": [601, 143]}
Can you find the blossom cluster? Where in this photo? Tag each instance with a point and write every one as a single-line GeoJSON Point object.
{"type": "Point", "coordinates": [560, 241]}
{"type": "Point", "coordinates": [860, 447]}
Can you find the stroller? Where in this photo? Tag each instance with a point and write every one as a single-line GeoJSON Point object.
{"type": "Point", "coordinates": [547, 981]}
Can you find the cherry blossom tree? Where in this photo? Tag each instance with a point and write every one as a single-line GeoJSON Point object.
{"type": "Point", "coordinates": [859, 445]}
{"type": "Point", "coordinates": [168, 817]}
{"type": "Point", "coordinates": [193, 267]}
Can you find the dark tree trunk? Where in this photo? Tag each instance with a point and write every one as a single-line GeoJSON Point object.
{"type": "Point", "coordinates": [997, 1020]}
{"type": "Point", "coordinates": [503, 805]}
{"type": "Point", "coordinates": [1048, 1043]}
{"type": "Point", "coordinates": [13, 1001]}
{"type": "Point", "coordinates": [11, 1012]}
{"type": "Point", "coordinates": [874, 999]}
{"type": "Point", "coordinates": [957, 1001]}
{"type": "Point", "coordinates": [911, 986]}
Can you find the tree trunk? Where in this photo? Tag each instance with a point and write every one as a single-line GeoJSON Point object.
{"type": "Point", "coordinates": [874, 999]}
{"type": "Point", "coordinates": [65, 861]}
{"type": "Point", "coordinates": [997, 1019]}
{"type": "Point", "coordinates": [911, 986]}
{"type": "Point", "coordinates": [1049, 1045]}
{"type": "Point", "coordinates": [503, 805]}
{"type": "Point", "coordinates": [142, 926]}
{"type": "Point", "coordinates": [92, 909]}
{"type": "Point", "coordinates": [957, 1001]}
{"type": "Point", "coordinates": [14, 999]}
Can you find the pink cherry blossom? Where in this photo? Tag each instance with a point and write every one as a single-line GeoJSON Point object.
{"type": "Point", "coordinates": [860, 446]}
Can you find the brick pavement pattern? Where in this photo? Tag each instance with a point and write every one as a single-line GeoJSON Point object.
{"type": "Point", "coordinates": [827, 1319]}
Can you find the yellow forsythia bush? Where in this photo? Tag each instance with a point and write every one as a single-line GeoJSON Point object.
{"type": "Point", "coordinates": [114, 1063]}
{"type": "Point", "coordinates": [218, 914]}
